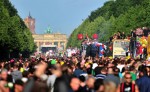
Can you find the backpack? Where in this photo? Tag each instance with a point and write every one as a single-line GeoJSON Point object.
{"type": "Point", "coordinates": [122, 87]}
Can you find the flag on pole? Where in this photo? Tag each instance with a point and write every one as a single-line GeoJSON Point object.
{"type": "Point", "coordinates": [101, 51]}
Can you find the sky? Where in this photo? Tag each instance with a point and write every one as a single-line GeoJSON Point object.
{"type": "Point", "coordinates": [62, 16]}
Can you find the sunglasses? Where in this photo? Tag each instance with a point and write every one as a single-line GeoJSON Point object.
{"type": "Point", "coordinates": [128, 77]}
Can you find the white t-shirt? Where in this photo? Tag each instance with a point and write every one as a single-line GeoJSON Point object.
{"type": "Point", "coordinates": [120, 67]}
{"type": "Point", "coordinates": [69, 52]}
{"type": "Point", "coordinates": [94, 65]}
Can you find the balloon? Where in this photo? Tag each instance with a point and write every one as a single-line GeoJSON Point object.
{"type": "Point", "coordinates": [95, 36]}
{"type": "Point", "coordinates": [140, 43]}
{"type": "Point", "coordinates": [80, 36]}
{"type": "Point", "coordinates": [143, 45]}
{"type": "Point", "coordinates": [140, 49]}
{"type": "Point", "coordinates": [141, 40]}
{"type": "Point", "coordinates": [145, 41]}
{"type": "Point", "coordinates": [143, 37]}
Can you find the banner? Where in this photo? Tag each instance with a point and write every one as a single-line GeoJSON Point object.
{"type": "Point", "coordinates": [120, 48]}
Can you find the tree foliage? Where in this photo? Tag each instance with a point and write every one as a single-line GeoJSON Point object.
{"type": "Point", "coordinates": [113, 16]}
{"type": "Point", "coordinates": [15, 37]}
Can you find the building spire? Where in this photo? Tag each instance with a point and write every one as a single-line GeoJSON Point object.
{"type": "Point", "coordinates": [29, 15]}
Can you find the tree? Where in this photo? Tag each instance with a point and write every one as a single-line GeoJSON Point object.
{"type": "Point", "coordinates": [113, 16]}
{"type": "Point", "coordinates": [15, 37]}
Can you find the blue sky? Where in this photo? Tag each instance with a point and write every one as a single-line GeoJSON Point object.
{"type": "Point", "coordinates": [61, 15]}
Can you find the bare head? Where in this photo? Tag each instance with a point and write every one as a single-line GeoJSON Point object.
{"type": "Point", "coordinates": [75, 84]}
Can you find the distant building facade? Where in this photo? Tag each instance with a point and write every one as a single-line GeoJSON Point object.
{"type": "Point", "coordinates": [50, 40]}
{"type": "Point", "coordinates": [30, 23]}
{"type": "Point", "coordinates": [47, 40]}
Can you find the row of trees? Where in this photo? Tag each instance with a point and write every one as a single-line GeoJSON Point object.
{"type": "Point", "coordinates": [15, 37]}
{"type": "Point", "coordinates": [115, 15]}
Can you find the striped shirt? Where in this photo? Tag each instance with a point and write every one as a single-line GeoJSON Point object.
{"type": "Point", "coordinates": [100, 76]}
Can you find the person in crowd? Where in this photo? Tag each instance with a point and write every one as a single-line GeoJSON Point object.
{"type": "Point", "coordinates": [144, 81]}
{"type": "Point", "coordinates": [117, 72]}
{"type": "Point", "coordinates": [123, 36]}
{"type": "Point", "coordinates": [133, 73]}
{"type": "Point", "coordinates": [102, 74]}
{"type": "Point", "coordinates": [74, 85]}
{"type": "Point", "coordinates": [18, 86]}
{"type": "Point", "coordinates": [110, 39]}
{"type": "Point", "coordinates": [78, 71]}
{"type": "Point", "coordinates": [16, 74]}
{"type": "Point", "coordinates": [37, 83]}
{"type": "Point", "coordinates": [93, 50]}
{"type": "Point", "coordinates": [99, 85]}
{"type": "Point", "coordinates": [90, 84]}
{"type": "Point", "coordinates": [3, 81]}
{"type": "Point", "coordinates": [98, 68]}
{"type": "Point", "coordinates": [111, 81]}
{"type": "Point", "coordinates": [133, 33]}
{"type": "Point", "coordinates": [128, 86]}
{"type": "Point", "coordinates": [51, 79]}
{"type": "Point", "coordinates": [118, 35]}
{"type": "Point", "coordinates": [82, 84]}
{"type": "Point", "coordinates": [115, 36]}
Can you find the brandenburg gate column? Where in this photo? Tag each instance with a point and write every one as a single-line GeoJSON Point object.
{"type": "Point", "coordinates": [65, 45]}
{"type": "Point", "coordinates": [59, 44]}
{"type": "Point", "coordinates": [38, 45]}
{"type": "Point", "coordinates": [52, 42]}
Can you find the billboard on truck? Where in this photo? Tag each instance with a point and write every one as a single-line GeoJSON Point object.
{"type": "Point", "coordinates": [120, 48]}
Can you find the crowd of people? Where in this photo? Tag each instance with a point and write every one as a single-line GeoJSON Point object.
{"type": "Point", "coordinates": [75, 74]}
{"type": "Point", "coordinates": [76, 71]}
{"type": "Point", "coordinates": [118, 35]}
{"type": "Point", "coordinates": [140, 32]}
